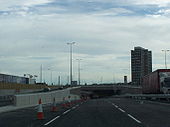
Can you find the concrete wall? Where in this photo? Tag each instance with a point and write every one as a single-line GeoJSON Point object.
{"type": "Point", "coordinates": [5, 92]}
{"type": "Point", "coordinates": [27, 100]}
{"type": "Point", "coordinates": [20, 86]}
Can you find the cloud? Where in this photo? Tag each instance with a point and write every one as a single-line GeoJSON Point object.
{"type": "Point", "coordinates": [95, 7]}
{"type": "Point", "coordinates": [160, 3]}
{"type": "Point", "coordinates": [105, 31]}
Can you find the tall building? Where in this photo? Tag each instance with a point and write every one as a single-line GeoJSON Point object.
{"type": "Point", "coordinates": [141, 64]}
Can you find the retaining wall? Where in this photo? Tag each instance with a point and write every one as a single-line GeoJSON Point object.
{"type": "Point", "coordinates": [6, 92]}
{"type": "Point", "coordinates": [27, 100]}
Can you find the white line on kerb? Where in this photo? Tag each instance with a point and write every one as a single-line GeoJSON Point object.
{"type": "Point", "coordinates": [66, 111]}
{"type": "Point", "coordinates": [51, 121]}
{"type": "Point", "coordinates": [134, 118]}
{"type": "Point", "coordinates": [121, 110]}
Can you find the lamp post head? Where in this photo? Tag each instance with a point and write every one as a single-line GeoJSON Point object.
{"type": "Point", "coordinates": [79, 59]}
{"type": "Point", "coordinates": [165, 50]}
{"type": "Point", "coordinates": [71, 43]}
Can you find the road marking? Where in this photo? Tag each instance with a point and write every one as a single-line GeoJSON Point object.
{"type": "Point", "coordinates": [115, 105]}
{"type": "Point", "coordinates": [66, 111]}
{"type": "Point", "coordinates": [121, 110]}
{"type": "Point", "coordinates": [51, 121]}
{"type": "Point", "coordinates": [73, 107]}
{"type": "Point", "coordinates": [134, 118]}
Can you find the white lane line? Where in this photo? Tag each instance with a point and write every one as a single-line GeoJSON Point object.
{"type": "Point", "coordinates": [73, 107]}
{"type": "Point", "coordinates": [134, 118]}
{"type": "Point", "coordinates": [115, 105]}
{"type": "Point", "coordinates": [121, 110]}
{"type": "Point", "coordinates": [66, 111]}
{"type": "Point", "coordinates": [51, 121]}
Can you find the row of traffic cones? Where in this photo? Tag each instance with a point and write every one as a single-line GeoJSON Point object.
{"type": "Point", "coordinates": [40, 114]}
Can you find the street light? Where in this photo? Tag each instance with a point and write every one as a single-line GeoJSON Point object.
{"type": "Point", "coordinates": [71, 66]}
{"type": "Point", "coordinates": [79, 70]}
{"type": "Point", "coordinates": [165, 57]}
{"type": "Point", "coordinates": [41, 68]}
{"type": "Point", "coordinates": [51, 76]}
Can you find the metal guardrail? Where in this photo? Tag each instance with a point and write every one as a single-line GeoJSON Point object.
{"type": "Point", "coordinates": [119, 86]}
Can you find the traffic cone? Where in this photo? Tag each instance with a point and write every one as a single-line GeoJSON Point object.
{"type": "Point", "coordinates": [40, 114]}
{"type": "Point", "coordinates": [54, 108]}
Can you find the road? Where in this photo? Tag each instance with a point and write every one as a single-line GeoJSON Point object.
{"type": "Point", "coordinates": [111, 112]}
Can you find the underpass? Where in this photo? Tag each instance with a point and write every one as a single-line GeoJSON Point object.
{"type": "Point", "coordinates": [99, 91]}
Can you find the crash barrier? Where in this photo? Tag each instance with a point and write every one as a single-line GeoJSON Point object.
{"type": "Point", "coordinates": [6, 100]}
{"type": "Point", "coordinates": [46, 97]}
{"type": "Point", "coordinates": [148, 96]}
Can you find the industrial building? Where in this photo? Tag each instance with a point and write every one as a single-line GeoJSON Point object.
{"type": "Point", "coordinates": [4, 78]}
{"type": "Point", "coordinates": [141, 64]}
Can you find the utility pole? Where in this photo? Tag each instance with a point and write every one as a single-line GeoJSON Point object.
{"type": "Point", "coordinates": [79, 69]}
{"type": "Point", "coordinates": [59, 80]}
{"type": "Point", "coordinates": [41, 73]}
{"type": "Point", "coordinates": [71, 61]}
{"type": "Point", "coordinates": [165, 57]}
{"type": "Point", "coordinates": [51, 76]}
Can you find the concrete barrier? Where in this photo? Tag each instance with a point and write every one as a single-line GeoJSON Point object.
{"type": "Point", "coordinates": [6, 92]}
{"type": "Point", "coordinates": [27, 100]}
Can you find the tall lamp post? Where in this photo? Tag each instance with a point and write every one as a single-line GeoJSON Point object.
{"type": "Point", "coordinates": [51, 76]}
{"type": "Point", "coordinates": [71, 61]}
{"type": "Point", "coordinates": [41, 68]}
{"type": "Point", "coordinates": [165, 57]}
{"type": "Point", "coordinates": [79, 70]}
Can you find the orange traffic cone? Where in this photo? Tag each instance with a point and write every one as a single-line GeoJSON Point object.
{"type": "Point", "coordinates": [54, 108]}
{"type": "Point", "coordinates": [40, 114]}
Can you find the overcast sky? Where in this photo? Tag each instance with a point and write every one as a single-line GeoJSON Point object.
{"type": "Point", "coordinates": [35, 32]}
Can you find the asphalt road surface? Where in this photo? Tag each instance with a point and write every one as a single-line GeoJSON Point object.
{"type": "Point", "coordinates": [111, 112]}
